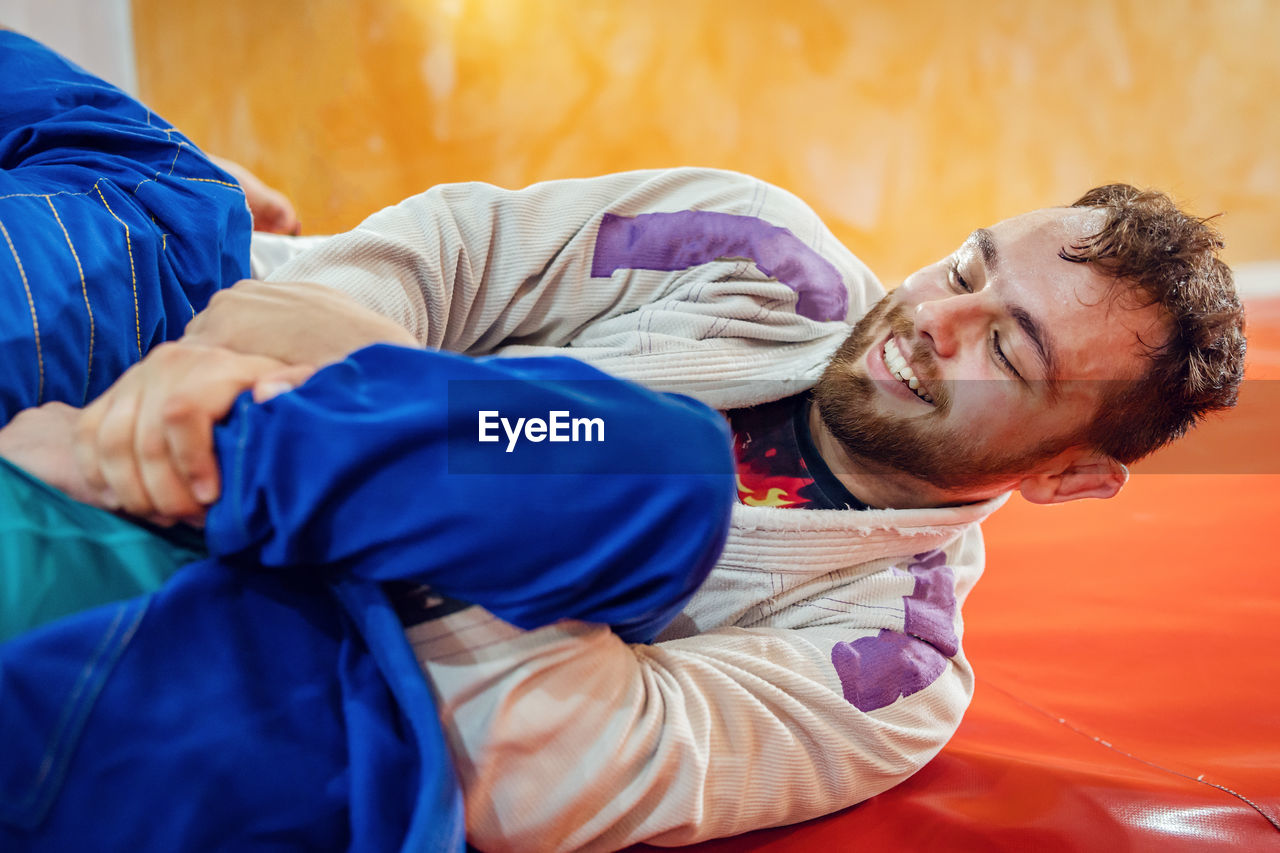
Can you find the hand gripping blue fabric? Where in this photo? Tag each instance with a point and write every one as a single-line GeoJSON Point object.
{"type": "Point", "coordinates": [374, 470]}
{"type": "Point", "coordinates": [267, 699]}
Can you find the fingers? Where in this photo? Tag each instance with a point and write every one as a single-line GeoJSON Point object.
{"type": "Point", "coordinates": [272, 211]}
{"type": "Point", "coordinates": [146, 446]}
{"type": "Point", "coordinates": [270, 208]}
{"type": "Point", "coordinates": [274, 384]}
{"type": "Point", "coordinates": [189, 441]}
{"type": "Point", "coordinates": [121, 453]}
{"type": "Point", "coordinates": [187, 420]}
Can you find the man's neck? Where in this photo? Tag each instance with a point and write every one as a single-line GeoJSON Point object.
{"type": "Point", "coordinates": [877, 486]}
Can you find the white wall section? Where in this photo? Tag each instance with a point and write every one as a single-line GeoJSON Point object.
{"type": "Point", "coordinates": [96, 34]}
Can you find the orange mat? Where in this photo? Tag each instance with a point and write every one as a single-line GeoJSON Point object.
{"type": "Point", "coordinates": [1128, 665]}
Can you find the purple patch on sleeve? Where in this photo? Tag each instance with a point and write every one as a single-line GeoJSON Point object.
{"type": "Point", "coordinates": [931, 607]}
{"type": "Point", "coordinates": [877, 671]}
{"type": "Point", "coordinates": [688, 238]}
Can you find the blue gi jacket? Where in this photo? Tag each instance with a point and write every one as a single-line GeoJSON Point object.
{"type": "Point", "coordinates": [266, 698]}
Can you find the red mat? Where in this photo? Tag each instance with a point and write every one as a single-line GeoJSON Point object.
{"type": "Point", "coordinates": [1128, 665]}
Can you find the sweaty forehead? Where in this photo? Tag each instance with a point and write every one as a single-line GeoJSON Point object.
{"type": "Point", "coordinates": [1067, 225]}
{"type": "Point", "coordinates": [1097, 335]}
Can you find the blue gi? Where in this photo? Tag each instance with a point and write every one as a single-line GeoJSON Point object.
{"type": "Point", "coordinates": [114, 230]}
{"type": "Point", "coordinates": [266, 698]}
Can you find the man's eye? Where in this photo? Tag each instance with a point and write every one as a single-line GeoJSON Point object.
{"type": "Point", "coordinates": [957, 281]}
{"type": "Point", "coordinates": [1001, 357]}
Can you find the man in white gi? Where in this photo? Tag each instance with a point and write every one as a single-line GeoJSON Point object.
{"type": "Point", "coordinates": [821, 663]}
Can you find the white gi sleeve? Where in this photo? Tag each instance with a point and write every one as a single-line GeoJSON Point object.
{"type": "Point", "coordinates": [472, 267]}
{"type": "Point", "coordinates": [567, 738]}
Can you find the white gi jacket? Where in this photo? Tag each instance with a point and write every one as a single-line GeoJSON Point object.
{"type": "Point", "coordinates": [819, 665]}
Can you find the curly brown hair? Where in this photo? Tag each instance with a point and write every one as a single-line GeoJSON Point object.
{"type": "Point", "coordinates": [1159, 255]}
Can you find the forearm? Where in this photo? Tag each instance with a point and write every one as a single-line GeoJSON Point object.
{"type": "Point", "coordinates": [472, 267]}
{"type": "Point", "coordinates": [824, 697]}
{"type": "Point", "coordinates": [570, 739]}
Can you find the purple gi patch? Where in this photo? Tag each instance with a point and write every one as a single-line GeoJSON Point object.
{"type": "Point", "coordinates": [677, 241]}
{"type": "Point", "coordinates": [877, 671]}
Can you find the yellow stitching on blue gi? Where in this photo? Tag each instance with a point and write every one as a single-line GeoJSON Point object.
{"type": "Point", "coordinates": [31, 303]}
{"type": "Point", "coordinates": [233, 186]}
{"type": "Point", "coordinates": [84, 289]}
{"type": "Point", "coordinates": [155, 175]}
{"type": "Point", "coordinates": [133, 276]}
{"type": "Point", "coordinates": [182, 144]}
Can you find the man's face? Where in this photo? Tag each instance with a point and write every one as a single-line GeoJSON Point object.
{"type": "Point", "coordinates": [1012, 349]}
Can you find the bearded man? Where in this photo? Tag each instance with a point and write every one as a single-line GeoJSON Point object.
{"type": "Point", "coordinates": [821, 662]}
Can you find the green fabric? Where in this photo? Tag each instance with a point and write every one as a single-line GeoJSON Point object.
{"type": "Point", "coordinates": [59, 556]}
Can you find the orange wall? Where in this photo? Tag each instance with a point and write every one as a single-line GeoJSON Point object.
{"type": "Point", "coordinates": [904, 122]}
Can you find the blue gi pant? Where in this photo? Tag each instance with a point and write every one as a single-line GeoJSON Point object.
{"type": "Point", "coordinates": [114, 230]}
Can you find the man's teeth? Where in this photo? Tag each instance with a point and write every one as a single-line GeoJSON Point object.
{"type": "Point", "coordinates": [898, 366]}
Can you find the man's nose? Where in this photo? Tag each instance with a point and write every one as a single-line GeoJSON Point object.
{"type": "Point", "coordinates": [946, 323]}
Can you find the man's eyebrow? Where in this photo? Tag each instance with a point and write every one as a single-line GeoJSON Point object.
{"type": "Point", "coordinates": [1041, 342]}
{"type": "Point", "coordinates": [986, 245]}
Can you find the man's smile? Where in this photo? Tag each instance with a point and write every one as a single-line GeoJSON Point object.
{"type": "Point", "coordinates": [889, 368]}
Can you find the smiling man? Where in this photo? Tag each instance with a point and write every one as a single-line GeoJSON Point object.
{"type": "Point", "coordinates": [821, 662]}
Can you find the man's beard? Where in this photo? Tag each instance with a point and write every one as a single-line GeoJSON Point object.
{"type": "Point", "coordinates": [920, 446]}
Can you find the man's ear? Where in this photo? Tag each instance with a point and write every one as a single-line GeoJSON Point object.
{"type": "Point", "coordinates": [1074, 474]}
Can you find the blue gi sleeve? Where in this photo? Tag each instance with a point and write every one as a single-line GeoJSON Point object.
{"type": "Point", "coordinates": [114, 230]}
{"type": "Point", "coordinates": [381, 468]}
